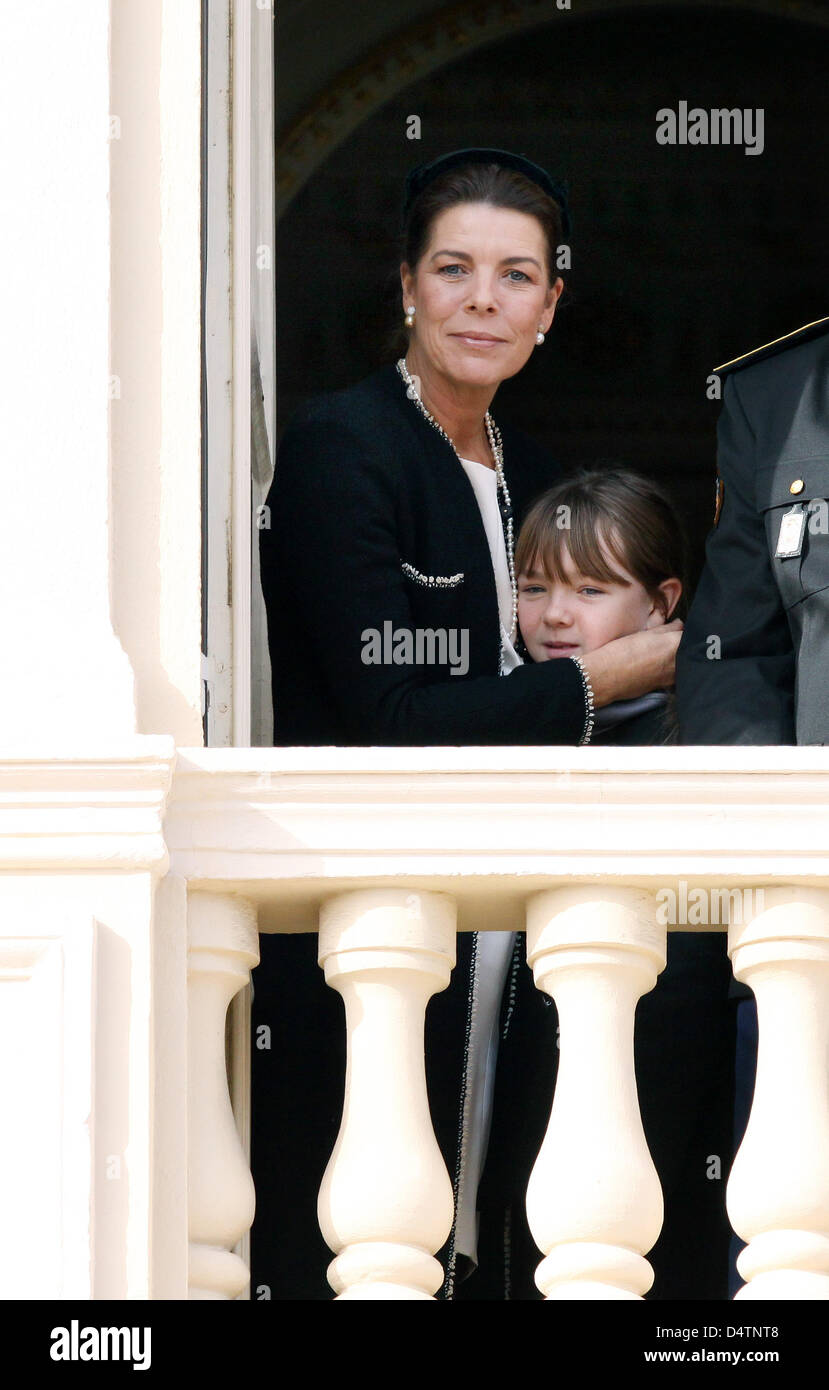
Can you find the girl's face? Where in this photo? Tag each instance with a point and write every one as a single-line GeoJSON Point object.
{"type": "Point", "coordinates": [481, 293]}
{"type": "Point", "coordinates": [574, 617]}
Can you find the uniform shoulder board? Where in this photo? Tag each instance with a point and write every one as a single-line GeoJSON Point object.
{"type": "Point", "coordinates": [800, 335]}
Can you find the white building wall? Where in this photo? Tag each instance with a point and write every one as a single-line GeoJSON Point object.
{"type": "Point", "coordinates": [100, 543]}
{"type": "Point", "coordinates": [155, 167]}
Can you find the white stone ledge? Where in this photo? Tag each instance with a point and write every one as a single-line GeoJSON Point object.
{"type": "Point", "coordinates": [290, 827]}
{"type": "Point", "coordinates": [86, 807]}
{"type": "Point", "coordinates": [468, 758]}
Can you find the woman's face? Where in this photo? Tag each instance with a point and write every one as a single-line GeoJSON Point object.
{"type": "Point", "coordinates": [481, 293]}
{"type": "Point", "coordinates": [577, 615]}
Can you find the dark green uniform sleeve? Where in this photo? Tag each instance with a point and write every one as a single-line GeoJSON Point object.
{"type": "Point", "coordinates": [735, 665]}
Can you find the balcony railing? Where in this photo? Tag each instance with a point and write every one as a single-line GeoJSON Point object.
{"type": "Point", "coordinates": [387, 853]}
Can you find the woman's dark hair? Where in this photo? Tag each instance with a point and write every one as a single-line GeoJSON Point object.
{"type": "Point", "coordinates": [481, 183]}
{"type": "Point", "coordinates": [600, 512]}
{"type": "Point", "coordinates": [476, 183]}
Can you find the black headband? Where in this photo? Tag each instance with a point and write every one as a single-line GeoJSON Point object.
{"type": "Point", "coordinates": [417, 179]}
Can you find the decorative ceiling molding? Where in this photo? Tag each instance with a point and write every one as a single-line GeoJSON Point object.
{"type": "Point", "coordinates": [399, 62]}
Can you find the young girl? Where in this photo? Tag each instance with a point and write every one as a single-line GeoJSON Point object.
{"type": "Point", "coordinates": [600, 556]}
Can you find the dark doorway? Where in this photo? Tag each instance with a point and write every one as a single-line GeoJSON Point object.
{"type": "Point", "coordinates": [683, 257]}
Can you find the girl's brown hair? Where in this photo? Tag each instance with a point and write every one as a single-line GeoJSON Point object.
{"type": "Point", "coordinates": [604, 515]}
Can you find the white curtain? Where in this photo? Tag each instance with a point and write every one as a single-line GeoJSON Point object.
{"type": "Point", "coordinates": [263, 348]}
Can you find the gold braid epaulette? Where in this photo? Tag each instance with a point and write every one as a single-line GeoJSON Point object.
{"type": "Point", "coordinates": [800, 335]}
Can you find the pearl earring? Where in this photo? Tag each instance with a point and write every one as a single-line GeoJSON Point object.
{"type": "Point", "coordinates": [410, 313]}
{"type": "Point", "coordinates": [539, 338]}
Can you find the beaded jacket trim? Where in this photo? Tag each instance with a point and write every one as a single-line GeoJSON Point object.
{"type": "Point", "coordinates": [590, 710]}
{"type": "Point", "coordinates": [431, 581]}
{"type": "Point", "coordinates": [459, 1178]}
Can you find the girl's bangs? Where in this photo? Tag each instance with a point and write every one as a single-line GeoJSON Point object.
{"type": "Point", "coordinates": [587, 541]}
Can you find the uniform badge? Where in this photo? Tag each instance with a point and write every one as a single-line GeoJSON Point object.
{"type": "Point", "coordinates": [790, 537]}
{"type": "Point", "coordinates": [719, 490]}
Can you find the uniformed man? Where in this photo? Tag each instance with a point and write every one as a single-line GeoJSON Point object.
{"type": "Point", "coordinates": [751, 666]}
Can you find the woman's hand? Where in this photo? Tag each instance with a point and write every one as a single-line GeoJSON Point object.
{"type": "Point", "coordinates": [632, 666]}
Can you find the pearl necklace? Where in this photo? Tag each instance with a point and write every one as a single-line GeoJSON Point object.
{"type": "Point", "coordinates": [505, 504]}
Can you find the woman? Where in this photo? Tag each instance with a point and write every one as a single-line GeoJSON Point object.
{"type": "Point", "coordinates": [373, 517]}
{"type": "Point", "coordinates": [394, 508]}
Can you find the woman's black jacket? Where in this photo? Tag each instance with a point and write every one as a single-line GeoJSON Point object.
{"type": "Point", "coordinates": [369, 501]}
{"type": "Point", "coordinates": [368, 504]}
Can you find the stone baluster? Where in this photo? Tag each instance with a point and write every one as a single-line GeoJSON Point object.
{"type": "Point", "coordinates": [385, 1204]}
{"type": "Point", "coordinates": [594, 1202]}
{"type": "Point", "coordinates": [223, 946]}
{"type": "Point", "coordinates": [778, 1192]}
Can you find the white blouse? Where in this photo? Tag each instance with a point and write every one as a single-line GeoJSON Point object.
{"type": "Point", "coordinates": [485, 485]}
{"type": "Point", "coordinates": [495, 948]}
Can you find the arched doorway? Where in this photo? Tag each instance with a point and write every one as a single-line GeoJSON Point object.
{"type": "Point", "coordinates": [682, 257]}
